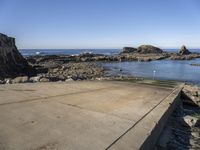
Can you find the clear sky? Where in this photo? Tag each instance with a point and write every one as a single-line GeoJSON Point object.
{"type": "Point", "coordinates": [101, 23]}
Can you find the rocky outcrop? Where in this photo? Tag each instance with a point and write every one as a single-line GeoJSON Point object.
{"type": "Point", "coordinates": [184, 51]}
{"type": "Point", "coordinates": [191, 56]}
{"type": "Point", "coordinates": [142, 57]}
{"type": "Point", "coordinates": [12, 63]}
{"type": "Point", "coordinates": [198, 65]}
{"type": "Point", "coordinates": [23, 79]}
{"type": "Point", "coordinates": [145, 49]}
{"type": "Point", "coordinates": [129, 50]}
{"type": "Point", "coordinates": [191, 94]}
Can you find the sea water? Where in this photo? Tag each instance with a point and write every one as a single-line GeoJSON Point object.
{"type": "Point", "coordinates": [180, 70]}
{"type": "Point", "coordinates": [33, 52]}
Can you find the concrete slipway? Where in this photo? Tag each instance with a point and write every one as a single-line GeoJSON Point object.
{"type": "Point", "coordinates": [87, 115]}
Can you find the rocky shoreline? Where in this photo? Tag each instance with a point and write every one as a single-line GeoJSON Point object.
{"type": "Point", "coordinates": [14, 68]}
{"type": "Point", "coordinates": [60, 73]}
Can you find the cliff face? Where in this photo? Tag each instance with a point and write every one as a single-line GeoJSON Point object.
{"type": "Point", "coordinates": [12, 63]}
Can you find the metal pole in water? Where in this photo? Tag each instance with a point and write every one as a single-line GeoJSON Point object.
{"type": "Point", "coordinates": [154, 74]}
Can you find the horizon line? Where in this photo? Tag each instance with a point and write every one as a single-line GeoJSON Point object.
{"type": "Point", "coordinates": [99, 48]}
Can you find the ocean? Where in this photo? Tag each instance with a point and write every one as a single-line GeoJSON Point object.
{"type": "Point", "coordinates": [32, 52]}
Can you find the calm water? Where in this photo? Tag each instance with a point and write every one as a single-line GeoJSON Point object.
{"type": "Point", "coordinates": [162, 69]}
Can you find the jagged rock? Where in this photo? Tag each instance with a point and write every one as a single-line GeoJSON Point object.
{"type": "Point", "coordinates": [148, 49]}
{"type": "Point", "coordinates": [191, 94]}
{"type": "Point", "coordinates": [184, 51]}
{"type": "Point", "coordinates": [129, 50]}
{"type": "Point", "coordinates": [20, 79]}
{"type": "Point", "coordinates": [12, 63]}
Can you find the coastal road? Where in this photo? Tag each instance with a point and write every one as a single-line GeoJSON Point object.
{"type": "Point", "coordinates": [85, 115]}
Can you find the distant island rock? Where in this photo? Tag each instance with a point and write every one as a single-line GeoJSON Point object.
{"type": "Point", "coordinates": [143, 49]}
{"type": "Point", "coordinates": [148, 49]}
{"type": "Point", "coordinates": [184, 51]}
{"type": "Point", "coordinates": [12, 63]}
{"type": "Point", "coordinates": [129, 50]}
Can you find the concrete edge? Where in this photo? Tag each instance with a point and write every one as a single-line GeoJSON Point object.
{"type": "Point", "coordinates": [146, 132]}
{"type": "Point", "coordinates": [173, 100]}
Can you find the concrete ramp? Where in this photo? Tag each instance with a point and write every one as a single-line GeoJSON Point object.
{"type": "Point", "coordinates": [83, 115]}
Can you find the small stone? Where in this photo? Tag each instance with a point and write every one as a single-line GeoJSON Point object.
{"type": "Point", "coordinates": [196, 134]}
{"type": "Point", "coordinates": [23, 79]}
{"type": "Point", "coordinates": [8, 81]}
{"type": "Point", "coordinates": [99, 79]}
{"type": "Point", "coordinates": [44, 80]}
{"type": "Point", "coordinates": [190, 120]}
{"type": "Point", "coordinates": [70, 79]}
{"type": "Point", "coordinates": [35, 79]}
{"type": "Point", "coordinates": [55, 70]}
{"type": "Point", "coordinates": [2, 82]}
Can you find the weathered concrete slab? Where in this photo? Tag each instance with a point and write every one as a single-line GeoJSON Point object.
{"type": "Point", "coordinates": [74, 115]}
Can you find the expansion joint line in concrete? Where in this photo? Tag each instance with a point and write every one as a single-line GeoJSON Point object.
{"type": "Point", "coordinates": [79, 107]}
{"type": "Point", "coordinates": [140, 119]}
{"type": "Point", "coordinates": [40, 98]}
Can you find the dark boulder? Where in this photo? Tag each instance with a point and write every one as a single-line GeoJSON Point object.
{"type": "Point", "coordinates": [129, 50]}
{"type": "Point", "coordinates": [184, 51]}
{"type": "Point", "coordinates": [12, 63]}
{"type": "Point", "coordinates": [144, 49]}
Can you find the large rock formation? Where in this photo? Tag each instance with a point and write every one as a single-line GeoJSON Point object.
{"type": "Point", "coordinates": [12, 63]}
{"type": "Point", "coordinates": [148, 49]}
{"type": "Point", "coordinates": [184, 51]}
{"type": "Point", "coordinates": [129, 50]}
{"type": "Point", "coordinates": [191, 95]}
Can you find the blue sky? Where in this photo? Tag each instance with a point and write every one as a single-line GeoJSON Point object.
{"type": "Point", "coordinates": [101, 23]}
